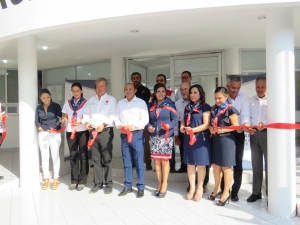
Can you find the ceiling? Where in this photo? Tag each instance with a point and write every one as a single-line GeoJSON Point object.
{"type": "Point", "coordinates": [176, 32]}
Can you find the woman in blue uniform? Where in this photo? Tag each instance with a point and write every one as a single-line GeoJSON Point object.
{"type": "Point", "coordinates": [197, 119]}
{"type": "Point", "coordinates": [163, 119]}
{"type": "Point", "coordinates": [223, 143]}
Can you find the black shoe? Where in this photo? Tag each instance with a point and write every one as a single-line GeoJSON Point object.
{"type": "Point", "coordinates": [148, 166]}
{"type": "Point", "coordinates": [1, 177]}
{"type": "Point", "coordinates": [125, 192]}
{"type": "Point", "coordinates": [95, 189]}
{"type": "Point", "coordinates": [212, 198]}
{"type": "Point", "coordinates": [80, 187]}
{"type": "Point", "coordinates": [172, 170]}
{"type": "Point", "coordinates": [72, 187]}
{"type": "Point", "coordinates": [92, 166]}
{"type": "Point", "coordinates": [253, 198]}
{"type": "Point", "coordinates": [234, 197]}
{"type": "Point", "coordinates": [181, 170]}
{"type": "Point", "coordinates": [161, 195]}
{"type": "Point", "coordinates": [108, 190]}
{"type": "Point", "coordinates": [140, 194]}
{"type": "Point", "coordinates": [220, 203]}
{"type": "Point", "coordinates": [156, 192]}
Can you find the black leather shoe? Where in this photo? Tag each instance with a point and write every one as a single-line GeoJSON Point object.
{"type": "Point", "coordinates": [148, 166]}
{"type": "Point", "coordinates": [95, 189]}
{"type": "Point", "coordinates": [253, 198]}
{"type": "Point", "coordinates": [140, 194]}
{"type": "Point", "coordinates": [108, 190]}
{"type": "Point", "coordinates": [172, 170]}
{"type": "Point", "coordinates": [125, 192]}
{"type": "Point", "coordinates": [234, 198]}
{"type": "Point", "coordinates": [156, 192]}
{"type": "Point", "coordinates": [181, 170]}
{"type": "Point", "coordinates": [161, 195]}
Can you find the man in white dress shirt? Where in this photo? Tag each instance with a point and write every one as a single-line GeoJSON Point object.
{"type": "Point", "coordinates": [186, 76]}
{"type": "Point", "coordinates": [99, 115]}
{"type": "Point", "coordinates": [132, 113]}
{"type": "Point", "coordinates": [258, 139]}
{"type": "Point", "coordinates": [241, 102]}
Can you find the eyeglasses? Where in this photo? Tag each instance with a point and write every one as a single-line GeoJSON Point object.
{"type": "Point", "coordinates": [161, 80]}
{"type": "Point", "coordinates": [183, 78]}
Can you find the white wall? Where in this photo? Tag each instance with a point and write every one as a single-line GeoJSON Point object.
{"type": "Point", "coordinates": [153, 71]}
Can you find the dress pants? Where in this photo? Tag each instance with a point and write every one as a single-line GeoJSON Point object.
{"type": "Point", "coordinates": [147, 153]}
{"type": "Point", "coordinates": [134, 151]}
{"type": "Point", "coordinates": [78, 156]}
{"type": "Point", "coordinates": [53, 141]}
{"type": "Point", "coordinates": [102, 157]}
{"type": "Point", "coordinates": [238, 168]}
{"type": "Point", "coordinates": [181, 148]}
{"type": "Point", "coordinates": [258, 144]}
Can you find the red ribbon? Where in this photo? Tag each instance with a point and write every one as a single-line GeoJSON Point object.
{"type": "Point", "coordinates": [167, 128]}
{"type": "Point", "coordinates": [193, 138]}
{"type": "Point", "coordinates": [73, 127]}
{"type": "Point", "coordinates": [53, 130]}
{"type": "Point", "coordinates": [92, 141]}
{"type": "Point", "coordinates": [128, 132]}
{"type": "Point", "coordinates": [4, 126]}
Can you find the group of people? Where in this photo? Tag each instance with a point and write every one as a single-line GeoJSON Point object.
{"type": "Point", "coordinates": [150, 125]}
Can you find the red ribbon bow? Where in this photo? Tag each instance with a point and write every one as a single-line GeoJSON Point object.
{"type": "Point", "coordinates": [92, 141]}
{"type": "Point", "coordinates": [128, 132]}
{"type": "Point", "coordinates": [193, 138]}
{"type": "Point", "coordinates": [167, 128]}
{"type": "Point", "coordinates": [73, 127]}
{"type": "Point", "coordinates": [215, 121]}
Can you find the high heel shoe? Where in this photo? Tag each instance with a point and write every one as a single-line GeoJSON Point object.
{"type": "Point", "coordinates": [190, 195]}
{"type": "Point", "coordinates": [220, 203]}
{"type": "Point", "coordinates": [161, 195]}
{"type": "Point", "coordinates": [156, 192]}
{"type": "Point", "coordinates": [212, 198]}
{"type": "Point", "coordinates": [198, 194]}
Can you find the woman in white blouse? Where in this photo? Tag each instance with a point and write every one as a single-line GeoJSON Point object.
{"type": "Point", "coordinates": [77, 137]}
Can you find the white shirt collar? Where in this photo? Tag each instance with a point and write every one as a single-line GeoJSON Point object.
{"type": "Point", "coordinates": [134, 99]}
{"type": "Point", "coordinates": [265, 97]}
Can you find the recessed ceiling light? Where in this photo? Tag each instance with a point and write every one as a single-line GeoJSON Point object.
{"type": "Point", "coordinates": [134, 31]}
{"type": "Point", "coordinates": [44, 47]}
{"type": "Point", "coordinates": [263, 17]}
{"type": "Point", "coordinates": [89, 74]}
{"type": "Point", "coordinates": [4, 60]}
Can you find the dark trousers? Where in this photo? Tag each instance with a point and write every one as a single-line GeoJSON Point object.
{"type": "Point", "coordinates": [134, 151]}
{"type": "Point", "coordinates": [172, 160]}
{"type": "Point", "coordinates": [181, 148]}
{"type": "Point", "coordinates": [78, 157]}
{"type": "Point", "coordinates": [238, 168]}
{"type": "Point", "coordinates": [259, 147]}
{"type": "Point", "coordinates": [147, 153]}
{"type": "Point", "coordinates": [102, 157]}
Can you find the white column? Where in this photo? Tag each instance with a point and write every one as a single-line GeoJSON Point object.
{"type": "Point", "coordinates": [281, 108]}
{"type": "Point", "coordinates": [28, 95]}
{"type": "Point", "coordinates": [117, 83]}
{"type": "Point", "coordinates": [231, 61]}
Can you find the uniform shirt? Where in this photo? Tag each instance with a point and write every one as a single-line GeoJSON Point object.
{"type": "Point", "coordinates": [180, 106]}
{"type": "Point", "coordinates": [170, 94]}
{"type": "Point", "coordinates": [258, 110]}
{"type": "Point", "coordinates": [143, 93]}
{"type": "Point", "coordinates": [67, 110]}
{"type": "Point", "coordinates": [49, 119]}
{"type": "Point", "coordinates": [100, 111]}
{"type": "Point", "coordinates": [133, 113]}
{"type": "Point", "coordinates": [241, 103]}
{"type": "Point", "coordinates": [178, 95]}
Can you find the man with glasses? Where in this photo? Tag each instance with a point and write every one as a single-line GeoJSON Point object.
{"type": "Point", "coordinates": [186, 76]}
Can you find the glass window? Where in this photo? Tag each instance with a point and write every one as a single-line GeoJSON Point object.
{"type": "Point", "coordinates": [135, 68]}
{"type": "Point", "coordinates": [59, 76]}
{"type": "Point", "coordinates": [196, 65]}
{"type": "Point", "coordinates": [93, 71]}
{"type": "Point", "coordinates": [12, 86]}
{"type": "Point", "coordinates": [2, 85]}
{"type": "Point", "coordinates": [253, 60]}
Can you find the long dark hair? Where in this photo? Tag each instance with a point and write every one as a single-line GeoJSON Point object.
{"type": "Point", "coordinates": [201, 92]}
{"type": "Point", "coordinates": [77, 84]}
{"type": "Point", "coordinates": [158, 85]}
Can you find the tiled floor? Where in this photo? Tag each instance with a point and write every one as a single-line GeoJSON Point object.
{"type": "Point", "coordinates": [34, 206]}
